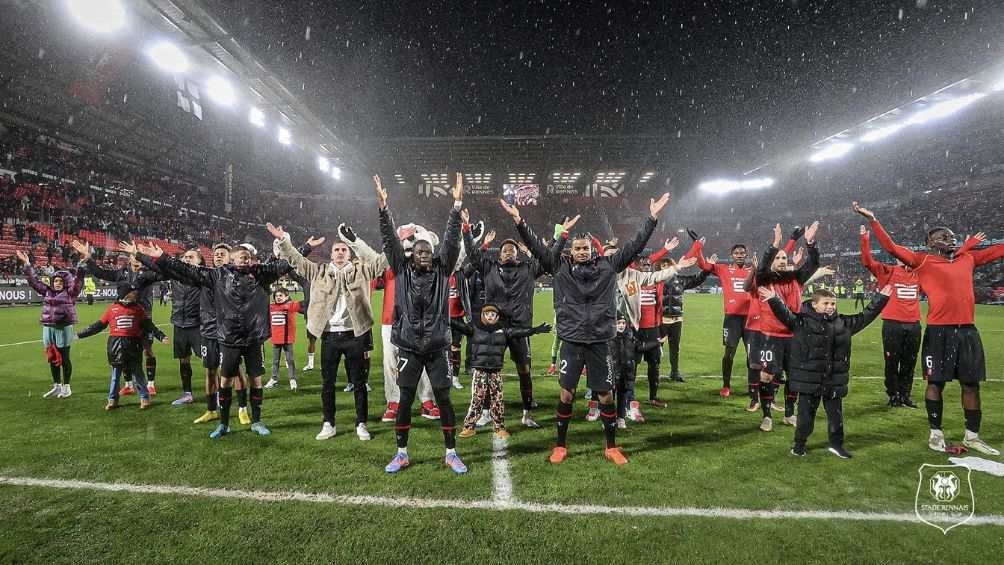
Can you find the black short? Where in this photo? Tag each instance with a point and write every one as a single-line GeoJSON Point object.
{"type": "Point", "coordinates": [367, 340]}
{"type": "Point", "coordinates": [753, 339]}
{"type": "Point", "coordinates": [733, 329]}
{"type": "Point", "coordinates": [209, 351]}
{"type": "Point", "coordinates": [252, 355]}
{"type": "Point", "coordinates": [458, 336]}
{"type": "Point", "coordinates": [772, 355]}
{"type": "Point", "coordinates": [651, 356]}
{"type": "Point", "coordinates": [435, 363]}
{"type": "Point", "coordinates": [186, 342]}
{"type": "Point", "coordinates": [954, 353]}
{"type": "Point", "coordinates": [593, 356]}
{"type": "Point", "coordinates": [519, 350]}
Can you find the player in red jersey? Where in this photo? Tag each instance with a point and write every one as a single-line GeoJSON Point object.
{"type": "Point", "coordinates": [952, 348]}
{"type": "Point", "coordinates": [774, 348]}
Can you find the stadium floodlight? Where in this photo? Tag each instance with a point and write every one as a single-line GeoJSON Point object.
{"type": "Point", "coordinates": [99, 16]}
{"type": "Point", "coordinates": [168, 57]}
{"type": "Point", "coordinates": [832, 151]}
{"type": "Point", "coordinates": [284, 136]}
{"type": "Point", "coordinates": [322, 163]}
{"type": "Point", "coordinates": [881, 133]}
{"type": "Point", "coordinates": [943, 109]}
{"type": "Point", "coordinates": [336, 173]}
{"type": "Point", "coordinates": [756, 183]}
{"type": "Point", "coordinates": [256, 117]}
{"type": "Point", "coordinates": [719, 186]}
{"type": "Point", "coordinates": [221, 91]}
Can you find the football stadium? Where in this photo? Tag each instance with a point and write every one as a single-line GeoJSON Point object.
{"type": "Point", "coordinates": [543, 282]}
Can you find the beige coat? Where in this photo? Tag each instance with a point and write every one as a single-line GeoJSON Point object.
{"type": "Point", "coordinates": [326, 286]}
{"type": "Point", "coordinates": [630, 281]}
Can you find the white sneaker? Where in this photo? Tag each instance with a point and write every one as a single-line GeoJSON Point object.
{"type": "Point", "coordinates": [937, 441]}
{"type": "Point", "coordinates": [456, 384]}
{"type": "Point", "coordinates": [977, 444]}
{"type": "Point", "coordinates": [327, 431]}
{"type": "Point", "coordinates": [593, 413]}
{"type": "Point", "coordinates": [292, 385]}
{"type": "Point", "coordinates": [790, 420]}
{"type": "Point", "coordinates": [621, 424]}
{"type": "Point", "coordinates": [349, 388]}
{"type": "Point", "coordinates": [272, 383]}
{"type": "Point", "coordinates": [484, 420]}
{"type": "Point", "coordinates": [369, 388]}
{"type": "Point", "coordinates": [54, 391]}
{"type": "Point", "coordinates": [309, 366]}
{"type": "Point", "coordinates": [767, 424]}
{"type": "Point", "coordinates": [634, 412]}
{"type": "Point", "coordinates": [528, 421]}
{"type": "Point", "coordinates": [65, 392]}
{"type": "Point", "coordinates": [361, 432]}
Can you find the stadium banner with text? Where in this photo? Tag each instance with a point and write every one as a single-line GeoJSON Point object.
{"type": "Point", "coordinates": [479, 189]}
{"type": "Point", "coordinates": [521, 194]}
{"type": "Point", "coordinates": [605, 190]}
{"type": "Point", "coordinates": [429, 190]}
{"type": "Point", "coordinates": [561, 189]}
{"type": "Point", "coordinates": [10, 294]}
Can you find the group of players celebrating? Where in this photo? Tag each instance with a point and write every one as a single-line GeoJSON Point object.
{"type": "Point", "coordinates": [439, 291]}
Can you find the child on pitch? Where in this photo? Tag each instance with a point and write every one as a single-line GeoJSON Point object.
{"type": "Point", "coordinates": [488, 338]}
{"type": "Point", "coordinates": [128, 324]}
{"type": "Point", "coordinates": [821, 359]}
{"type": "Point", "coordinates": [282, 315]}
{"type": "Point", "coordinates": [625, 348]}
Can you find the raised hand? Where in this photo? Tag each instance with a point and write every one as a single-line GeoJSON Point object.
{"type": "Point", "coordinates": [826, 271]}
{"type": "Point", "coordinates": [127, 247]}
{"type": "Point", "coordinates": [165, 340]}
{"type": "Point", "coordinates": [796, 259]}
{"type": "Point", "coordinates": [886, 290]}
{"type": "Point", "coordinates": [276, 231]}
{"type": "Point", "coordinates": [465, 216]}
{"type": "Point", "coordinates": [713, 259]}
{"type": "Point", "coordinates": [777, 235]}
{"type": "Point", "coordinates": [755, 261]}
{"type": "Point", "coordinates": [346, 232]}
{"type": "Point", "coordinates": [21, 256]}
{"type": "Point", "coordinates": [526, 250]}
{"type": "Point", "coordinates": [510, 209]}
{"type": "Point", "coordinates": [671, 244]}
{"type": "Point", "coordinates": [980, 236]}
{"type": "Point", "coordinates": [489, 237]}
{"type": "Point", "coordinates": [765, 292]}
{"type": "Point", "coordinates": [315, 241]}
{"type": "Point", "coordinates": [656, 206]}
{"type": "Point", "coordinates": [686, 263]}
{"type": "Point", "coordinates": [543, 328]}
{"type": "Point", "coordinates": [406, 233]}
{"type": "Point", "coordinates": [82, 249]}
{"type": "Point", "coordinates": [863, 211]}
{"type": "Point", "coordinates": [458, 188]}
{"type": "Point", "coordinates": [864, 230]}
{"type": "Point", "coordinates": [810, 233]}
{"type": "Point", "coordinates": [693, 234]}
{"type": "Point", "coordinates": [570, 223]}
{"type": "Point", "coordinates": [796, 233]}
{"type": "Point", "coordinates": [153, 250]}
{"type": "Point", "coordinates": [381, 194]}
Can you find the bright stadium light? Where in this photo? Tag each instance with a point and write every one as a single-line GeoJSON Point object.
{"type": "Point", "coordinates": [99, 16]}
{"type": "Point", "coordinates": [881, 133]}
{"type": "Point", "coordinates": [721, 186]}
{"type": "Point", "coordinates": [322, 163]}
{"type": "Point", "coordinates": [336, 173]}
{"type": "Point", "coordinates": [284, 136]}
{"type": "Point", "coordinates": [756, 183]}
{"type": "Point", "coordinates": [256, 117]}
{"type": "Point", "coordinates": [168, 57]}
{"type": "Point", "coordinates": [943, 109]}
{"type": "Point", "coordinates": [832, 151]}
{"type": "Point", "coordinates": [220, 91]}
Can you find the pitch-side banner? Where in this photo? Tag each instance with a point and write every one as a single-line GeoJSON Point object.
{"type": "Point", "coordinates": [27, 295]}
{"type": "Point", "coordinates": [481, 189]}
{"type": "Point", "coordinates": [561, 189]}
{"type": "Point", "coordinates": [521, 194]}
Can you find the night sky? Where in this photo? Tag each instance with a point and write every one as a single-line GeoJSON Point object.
{"type": "Point", "coordinates": [756, 77]}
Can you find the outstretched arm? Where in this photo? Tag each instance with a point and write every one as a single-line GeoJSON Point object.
{"type": "Point", "coordinates": [860, 321]}
{"type": "Point", "coordinates": [907, 256]}
{"type": "Point", "coordinates": [174, 269]}
{"type": "Point", "coordinates": [93, 329]}
{"type": "Point", "coordinates": [527, 332]}
{"type": "Point", "coordinates": [449, 251]}
{"type": "Point", "coordinates": [623, 259]}
{"type": "Point", "coordinates": [303, 266]}
{"type": "Point", "coordinates": [881, 271]}
{"type": "Point", "coordinates": [366, 254]}
{"type": "Point", "coordinates": [151, 328]}
{"type": "Point", "coordinates": [668, 246]}
{"type": "Point", "coordinates": [780, 309]}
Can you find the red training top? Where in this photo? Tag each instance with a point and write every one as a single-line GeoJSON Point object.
{"type": "Point", "coordinates": [456, 306]}
{"type": "Point", "coordinates": [283, 317]}
{"type": "Point", "coordinates": [125, 320]}
{"type": "Point", "coordinates": [904, 303]}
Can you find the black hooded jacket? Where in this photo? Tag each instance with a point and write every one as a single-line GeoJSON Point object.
{"type": "Point", "coordinates": [672, 292]}
{"type": "Point", "coordinates": [488, 343]}
{"type": "Point", "coordinates": [821, 349]}
{"type": "Point", "coordinates": [508, 286]}
{"type": "Point", "coordinates": [421, 298]}
{"type": "Point", "coordinates": [142, 280]}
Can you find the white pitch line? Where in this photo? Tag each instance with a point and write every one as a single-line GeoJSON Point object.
{"type": "Point", "coordinates": [20, 343]}
{"type": "Point", "coordinates": [718, 377]}
{"type": "Point", "coordinates": [492, 505]}
{"type": "Point", "coordinates": [501, 480]}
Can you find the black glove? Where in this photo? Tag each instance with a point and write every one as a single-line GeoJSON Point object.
{"type": "Point", "coordinates": [346, 232]}
{"type": "Point", "coordinates": [693, 234]}
{"type": "Point", "coordinates": [797, 233]}
{"type": "Point", "coordinates": [477, 231]}
{"type": "Point", "coordinates": [543, 328]}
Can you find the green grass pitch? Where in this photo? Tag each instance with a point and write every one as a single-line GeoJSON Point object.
{"type": "Point", "coordinates": [701, 452]}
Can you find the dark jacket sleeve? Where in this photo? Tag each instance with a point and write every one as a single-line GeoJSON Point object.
{"type": "Point", "coordinates": [782, 312]}
{"type": "Point", "coordinates": [547, 257]}
{"type": "Point", "coordinates": [811, 264]}
{"type": "Point", "coordinates": [858, 322]}
{"type": "Point", "coordinates": [270, 271]}
{"type": "Point", "coordinates": [527, 332]}
{"type": "Point", "coordinates": [93, 329]}
{"type": "Point", "coordinates": [392, 247]}
{"type": "Point", "coordinates": [150, 327]}
{"type": "Point", "coordinates": [461, 327]}
{"type": "Point", "coordinates": [623, 258]}
{"type": "Point", "coordinates": [183, 272]}
{"type": "Point", "coordinates": [449, 250]}
{"type": "Point", "coordinates": [110, 275]}
{"type": "Point", "coordinates": [643, 346]}
{"type": "Point", "coordinates": [764, 267]}
{"type": "Point", "coordinates": [693, 281]}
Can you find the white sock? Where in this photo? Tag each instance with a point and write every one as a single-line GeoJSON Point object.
{"type": "Point", "coordinates": [526, 413]}
{"type": "Point", "coordinates": [449, 451]}
{"type": "Point", "coordinates": [971, 435]}
{"type": "Point", "coordinates": [403, 451]}
{"type": "Point", "coordinates": [938, 434]}
{"type": "Point", "coordinates": [310, 358]}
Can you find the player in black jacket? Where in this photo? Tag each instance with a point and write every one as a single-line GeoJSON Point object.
{"type": "Point", "coordinates": [821, 359]}
{"type": "Point", "coordinates": [585, 311]}
{"type": "Point", "coordinates": [509, 282]}
{"type": "Point", "coordinates": [421, 329]}
{"type": "Point", "coordinates": [671, 328]}
{"type": "Point", "coordinates": [143, 279]}
{"type": "Point", "coordinates": [489, 336]}
{"type": "Point", "coordinates": [241, 291]}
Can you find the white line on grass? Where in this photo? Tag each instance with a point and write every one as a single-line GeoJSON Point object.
{"type": "Point", "coordinates": [719, 377]}
{"type": "Point", "coordinates": [493, 505]}
{"type": "Point", "coordinates": [20, 343]}
{"type": "Point", "coordinates": [501, 481]}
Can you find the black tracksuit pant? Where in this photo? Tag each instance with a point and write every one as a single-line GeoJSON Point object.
{"type": "Point", "coordinates": [901, 343]}
{"type": "Point", "coordinates": [807, 406]}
